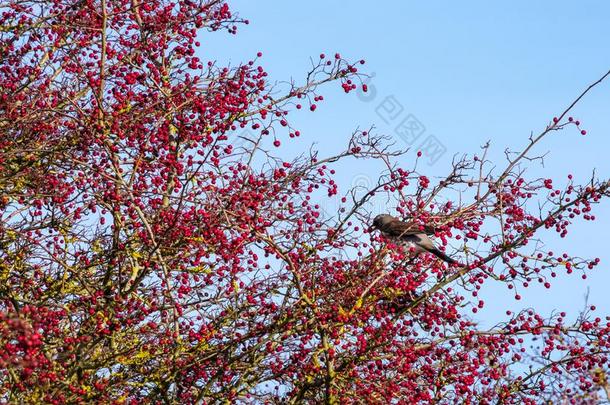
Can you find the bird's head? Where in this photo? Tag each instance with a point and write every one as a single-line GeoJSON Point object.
{"type": "Point", "coordinates": [381, 220]}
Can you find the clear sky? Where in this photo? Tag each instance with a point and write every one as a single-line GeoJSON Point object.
{"type": "Point", "coordinates": [468, 72]}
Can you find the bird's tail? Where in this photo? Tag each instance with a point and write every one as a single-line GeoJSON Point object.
{"type": "Point", "coordinates": [442, 256]}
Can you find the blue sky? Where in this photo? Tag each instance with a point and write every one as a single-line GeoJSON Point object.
{"type": "Point", "coordinates": [469, 72]}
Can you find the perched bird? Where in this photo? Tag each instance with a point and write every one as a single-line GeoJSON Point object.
{"type": "Point", "coordinates": [410, 234]}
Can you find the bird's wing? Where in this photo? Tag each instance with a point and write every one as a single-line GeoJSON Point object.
{"type": "Point", "coordinates": [426, 243]}
{"type": "Point", "coordinates": [399, 228]}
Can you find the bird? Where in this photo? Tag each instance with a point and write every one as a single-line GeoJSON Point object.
{"type": "Point", "coordinates": [410, 233]}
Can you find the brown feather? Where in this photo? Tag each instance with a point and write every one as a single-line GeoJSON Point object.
{"type": "Point", "coordinates": [399, 228]}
